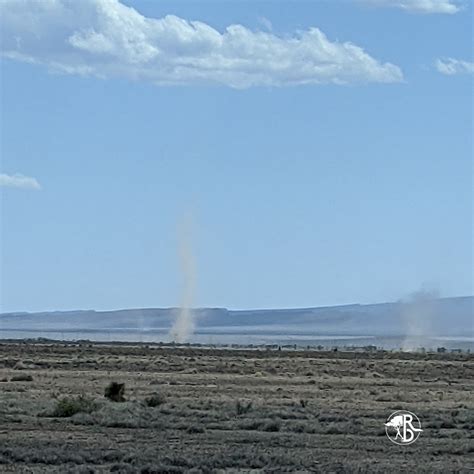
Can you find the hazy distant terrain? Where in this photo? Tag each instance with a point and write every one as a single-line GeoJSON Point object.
{"type": "Point", "coordinates": [450, 318]}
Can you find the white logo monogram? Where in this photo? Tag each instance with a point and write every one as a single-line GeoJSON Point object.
{"type": "Point", "coordinates": [403, 427]}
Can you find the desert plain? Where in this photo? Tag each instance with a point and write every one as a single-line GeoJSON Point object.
{"type": "Point", "coordinates": [208, 409]}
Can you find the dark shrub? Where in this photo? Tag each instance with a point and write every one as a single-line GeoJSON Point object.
{"type": "Point", "coordinates": [271, 426]}
{"type": "Point", "coordinates": [250, 425]}
{"type": "Point", "coordinates": [22, 378]}
{"type": "Point", "coordinates": [194, 429]}
{"type": "Point", "coordinates": [115, 392]}
{"type": "Point", "coordinates": [241, 408]}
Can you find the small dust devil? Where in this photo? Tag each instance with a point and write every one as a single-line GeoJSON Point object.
{"type": "Point", "coordinates": [183, 326]}
{"type": "Point", "coordinates": [402, 423]}
{"type": "Point", "coordinates": [418, 314]}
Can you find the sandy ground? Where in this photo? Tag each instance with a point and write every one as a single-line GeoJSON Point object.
{"type": "Point", "coordinates": [216, 410]}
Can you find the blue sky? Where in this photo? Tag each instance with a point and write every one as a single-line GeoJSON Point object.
{"type": "Point", "coordinates": [344, 177]}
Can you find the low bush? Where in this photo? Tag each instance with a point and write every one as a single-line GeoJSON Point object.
{"type": "Point", "coordinates": [69, 406]}
{"type": "Point", "coordinates": [155, 400]}
{"type": "Point", "coordinates": [124, 415]}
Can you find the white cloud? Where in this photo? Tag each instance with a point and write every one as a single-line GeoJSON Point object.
{"type": "Point", "coordinates": [105, 38]}
{"type": "Point", "coordinates": [452, 66]}
{"type": "Point", "coordinates": [419, 6]}
{"type": "Point", "coordinates": [18, 181]}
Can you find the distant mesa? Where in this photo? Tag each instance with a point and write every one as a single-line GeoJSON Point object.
{"type": "Point", "coordinates": [447, 317]}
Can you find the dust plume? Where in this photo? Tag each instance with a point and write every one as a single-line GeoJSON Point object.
{"type": "Point", "coordinates": [184, 324]}
{"type": "Point", "coordinates": [418, 311]}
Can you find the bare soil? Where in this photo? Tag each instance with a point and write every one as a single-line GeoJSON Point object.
{"type": "Point", "coordinates": [222, 410]}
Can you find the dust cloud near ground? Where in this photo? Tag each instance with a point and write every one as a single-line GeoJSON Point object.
{"type": "Point", "coordinates": [222, 410]}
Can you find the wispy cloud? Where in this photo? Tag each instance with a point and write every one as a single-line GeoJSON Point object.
{"type": "Point", "coordinates": [18, 181]}
{"type": "Point", "coordinates": [266, 23]}
{"type": "Point", "coordinates": [106, 39]}
{"type": "Point", "coordinates": [450, 66]}
{"type": "Point", "coordinates": [419, 6]}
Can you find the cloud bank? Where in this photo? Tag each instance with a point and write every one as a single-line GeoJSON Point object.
{"type": "Point", "coordinates": [18, 181]}
{"type": "Point", "coordinates": [107, 39]}
{"type": "Point", "coordinates": [450, 66]}
{"type": "Point", "coordinates": [419, 6]}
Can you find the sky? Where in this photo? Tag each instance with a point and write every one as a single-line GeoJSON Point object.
{"type": "Point", "coordinates": [320, 152]}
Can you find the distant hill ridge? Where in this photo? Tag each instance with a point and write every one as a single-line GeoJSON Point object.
{"type": "Point", "coordinates": [444, 316]}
